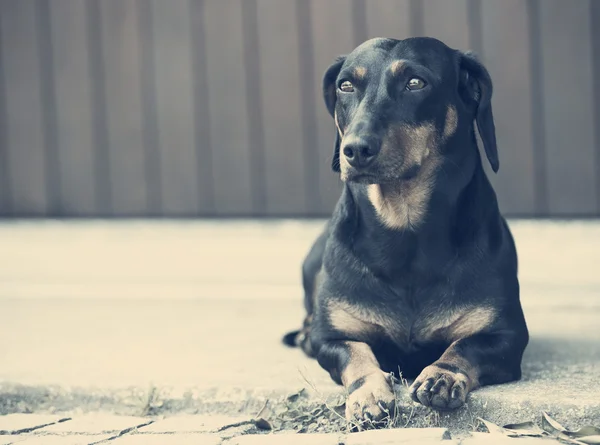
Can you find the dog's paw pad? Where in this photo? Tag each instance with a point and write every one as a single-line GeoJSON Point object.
{"type": "Point", "coordinates": [440, 388]}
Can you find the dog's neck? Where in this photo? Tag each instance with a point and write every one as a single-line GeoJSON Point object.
{"type": "Point", "coordinates": [401, 206]}
{"type": "Point", "coordinates": [456, 213]}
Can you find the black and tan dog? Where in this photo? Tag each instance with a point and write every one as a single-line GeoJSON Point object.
{"type": "Point", "coordinates": [416, 270]}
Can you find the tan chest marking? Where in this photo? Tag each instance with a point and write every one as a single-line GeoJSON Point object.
{"type": "Point", "coordinates": [400, 207]}
{"type": "Point", "coordinates": [454, 325]}
{"type": "Point", "coordinates": [359, 322]}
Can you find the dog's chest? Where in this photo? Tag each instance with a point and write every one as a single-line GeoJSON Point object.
{"type": "Point", "coordinates": [412, 305]}
{"type": "Point", "coordinates": [408, 327]}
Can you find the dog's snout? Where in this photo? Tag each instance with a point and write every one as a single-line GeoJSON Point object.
{"type": "Point", "coordinates": [360, 152]}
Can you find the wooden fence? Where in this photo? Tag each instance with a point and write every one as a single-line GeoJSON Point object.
{"type": "Point", "coordinates": [213, 107]}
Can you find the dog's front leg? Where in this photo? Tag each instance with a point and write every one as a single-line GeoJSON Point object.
{"type": "Point", "coordinates": [353, 364]}
{"type": "Point", "coordinates": [467, 364]}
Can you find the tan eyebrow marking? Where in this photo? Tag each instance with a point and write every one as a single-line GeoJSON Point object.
{"type": "Point", "coordinates": [397, 66]}
{"type": "Point", "coordinates": [360, 72]}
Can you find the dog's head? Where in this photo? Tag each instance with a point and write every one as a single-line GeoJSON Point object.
{"type": "Point", "coordinates": [398, 103]}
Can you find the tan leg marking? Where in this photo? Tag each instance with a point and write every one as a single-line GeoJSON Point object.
{"type": "Point", "coordinates": [370, 391]}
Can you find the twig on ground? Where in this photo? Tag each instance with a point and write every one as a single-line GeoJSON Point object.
{"type": "Point", "coordinates": [234, 425]}
{"type": "Point", "coordinates": [262, 409]}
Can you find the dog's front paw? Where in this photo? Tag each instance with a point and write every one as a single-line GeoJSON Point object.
{"type": "Point", "coordinates": [371, 401]}
{"type": "Point", "coordinates": [441, 388]}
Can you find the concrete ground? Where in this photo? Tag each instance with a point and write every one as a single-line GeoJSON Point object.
{"type": "Point", "coordinates": [163, 319]}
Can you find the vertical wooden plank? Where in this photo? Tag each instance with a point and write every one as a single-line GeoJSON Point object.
{"type": "Point", "coordinates": [474, 24]}
{"type": "Point", "coordinates": [173, 77]}
{"type": "Point", "coordinates": [329, 41]}
{"type": "Point", "coordinates": [49, 117]}
{"type": "Point", "coordinates": [506, 54]}
{"type": "Point", "coordinates": [594, 20]}
{"type": "Point", "coordinates": [204, 164]}
{"type": "Point", "coordinates": [389, 18]}
{"type": "Point", "coordinates": [25, 128]}
{"type": "Point", "coordinates": [121, 64]}
{"type": "Point", "coordinates": [4, 183]}
{"type": "Point", "coordinates": [447, 20]}
{"type": "Point", "coordinates": [568, 111]}
{"type": "Point", "coordinates": [281, 87]}
{"type": "Point", "coordinates": [359, 20]}
{"type": "Point", "coordinates": [417, 19]}
{"type": "Point", "coordinates": [254, 107]}
{"type": "Point", "coordinates": [227, 107]}
{"type": "Point", "coordinates": [308, 108]}
{"type": "Point", "coordinates": [99, 113]}
{"type": "Point", "coordinates": [537, 101]}
{"type": "Point", "coordinates": [73, 107]}
{"type": "Point", "coordinates": [150, 109]}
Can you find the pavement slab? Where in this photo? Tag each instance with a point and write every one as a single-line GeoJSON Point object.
{"type": "Point", "coordinates": [81, 439]}
{"type": "Point", "coordinates": [97, 423]}
{"type": "Point", "coordinates": [193, 424]}
{"type": "Point", "coordinates": [496, 439]}
{"type": "Point", "coordinates": [400, 435]}
{"type": "Point", "coordinates": [168, 439]}
{"type": "Point", "coordinates": [415, 436]}
{"type": "Point", "coordinates": [286, 438]}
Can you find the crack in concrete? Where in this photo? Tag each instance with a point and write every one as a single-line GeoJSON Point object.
{"type": "Point", "coordinates": [32, 428]}
{"type": "Point", "coordinates": [123, 432]}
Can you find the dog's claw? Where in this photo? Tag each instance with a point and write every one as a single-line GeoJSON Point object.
{"type": "Point", "coordinates": [424, 392]}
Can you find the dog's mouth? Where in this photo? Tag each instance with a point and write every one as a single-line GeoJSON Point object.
{"type": "Point", "coordinates": [362, 177]}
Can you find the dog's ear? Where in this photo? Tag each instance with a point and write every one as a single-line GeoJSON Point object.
{"type": "Point", "coordinates": [475, 88]}
{"type": "Point", "coordinates": [329, 95]}
{"type": "Point", "coordinates": [329, 86]}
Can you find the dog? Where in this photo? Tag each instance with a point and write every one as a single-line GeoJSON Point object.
{"type": "Point", "coordinates": [416, 270]}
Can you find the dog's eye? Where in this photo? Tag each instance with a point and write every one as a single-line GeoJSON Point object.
{"type": "Point", "coordinates": [415, 84]}
{"type": "Point", "coordinates": [347, 87]}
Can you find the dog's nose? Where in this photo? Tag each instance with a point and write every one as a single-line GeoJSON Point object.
{"type": "Point", "coordinates": [360, 153]}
